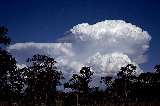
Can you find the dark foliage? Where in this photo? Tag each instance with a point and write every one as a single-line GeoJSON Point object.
{"type": "Point", "coordinates": [37, 84]}
{"type": "Point", "coordinates": [107, 81]}
{"type": "Point", "coordinates": [79, 83]}
{"type": "Point", "coordinates": [3, 38]}
{"type": "Point", "coordinates": [41, 80]}
{"type": "Point", "coordinates": [10, 84]}
{"type": "Point", "coordinates": [157, 68]}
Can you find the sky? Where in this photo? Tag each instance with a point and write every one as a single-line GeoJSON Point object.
{"type": "Point", "coordinates": [45, 21]}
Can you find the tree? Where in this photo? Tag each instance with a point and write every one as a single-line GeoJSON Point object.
{"type": "Point", "coordinates": [96, 96]}
{"type": "Point", "coordinates": [3, 38]}
{"type": "Point", "coordinates": [147, 83]}
{"type": "Point", "coordinates": [157, 68]}
{"type": "Point", "coordinates": [107, 81]}
{"type": "Point", "coordinates": [80, 82]}
{"type": "Point", "coordinates": [41, 79]}
{"type": "Point", "coordinates": [122, 85]}
{"type": "Point", "coordinates": [9, 81]}
{"type": "Point", "coordinates": [157, 81]}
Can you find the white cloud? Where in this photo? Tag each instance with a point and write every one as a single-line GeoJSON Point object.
{"type": "Point", "coordinates": [110, 64]}
{"type": "Point", "coordinates": [105, 47]}
{"type": "Point", "coordinates": [21, 66]}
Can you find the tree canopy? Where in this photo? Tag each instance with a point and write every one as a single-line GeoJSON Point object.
{"type": "Point", "coordinates": [41, 79]}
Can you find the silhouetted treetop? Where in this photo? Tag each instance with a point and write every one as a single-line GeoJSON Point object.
{"type": "Point", "coordinates": [3, 38]}
{"type": "Point", "coordinates": [126, 71]}
{"type": "Point", "coordinates": [10, 82]}
{"type": "Point", "coordinates": [107, 81]}
{"type": "Point", "coordinates": [79, 82]}
{"type": "Point", "coordinates": [157, 68]}
{"type": "Point", "coordinates": [42, 78]}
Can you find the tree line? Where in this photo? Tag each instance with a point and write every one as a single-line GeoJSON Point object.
{"type": "Point", "coordinates": [37, 84]}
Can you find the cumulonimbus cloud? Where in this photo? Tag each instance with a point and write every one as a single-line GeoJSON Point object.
{"type": "Point", "coordinates": [105, 46]}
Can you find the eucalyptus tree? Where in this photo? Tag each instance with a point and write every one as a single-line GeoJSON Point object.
{"type": "Point", "coordinates": [10, 84]}
{"type": "Point", "coordinates": [79, 83]}
{"type": "Point", "coordinates": [41, 79]}
{"type": "Point", "coordinates": [122, 84]}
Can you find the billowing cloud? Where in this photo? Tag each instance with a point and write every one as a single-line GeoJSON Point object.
{"type": "Point", "coordinates": [105, 47]}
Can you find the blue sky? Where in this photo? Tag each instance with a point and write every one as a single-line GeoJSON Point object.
{"type": "Point", "coordinates": [48, 20]}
